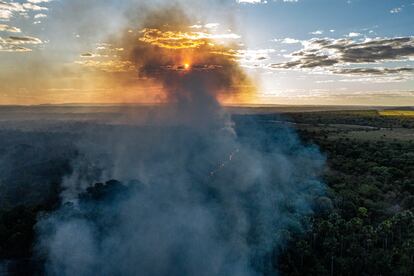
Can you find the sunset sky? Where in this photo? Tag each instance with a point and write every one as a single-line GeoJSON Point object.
{"type": "Point", "coordinates": [304, 52]}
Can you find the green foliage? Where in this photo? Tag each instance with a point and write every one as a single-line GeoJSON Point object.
{"type": "Point", "coordinates": [364, 225]}
{"type": "Point", "coordinates": [370, 229]}
{"type": "Point", "coordinates": [370, 118]}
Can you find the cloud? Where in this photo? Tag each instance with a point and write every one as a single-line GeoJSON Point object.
{"type": "Point", "coordinates": [181, 40]}
{"type": "Point", "coordinates": [13, 48]}
{"type": "Point", "coordinates": [327, 52]}
{"type": "Point", "coordinates": [317, 32]}
{"type": "Point", "coordinates": [109, 66]}
{"type": "Point", "coordinates": [88, 55]}
{"type": "Point", "coordinates": [39, 1]}
{"type": "Point", "coordinates": [18, 43]}
{"type": "Point", "coordinates": [288, 40]}
{"type": "Point", "coordinates": [40, 15]}
{"type": "Point", "coordinates": [10, 29]}
{"type": "Point", "coordinates": [263, 1]}
{"type": "Point", "coordinates": [206, 26]}
{"type": "Point", "coordinates": [396, 10]}
{"type": "Point", "coordinates": [251, 1]}
{"type": "Point", "coordinates": [11, 6]}
{"type": "Point", "coordinates": [253, 56]}
{"type": "Point", "coordinates": [373, 71]}
{"type": "Point", "coordinates": [34, 7]}
{"type": "Point", "coordinates": [211, 25]}
{"type": "Point", "coordinates": [23, 40]}
{"type": "Point", "coordinates": [9, 9]}
{"type": "Point", "coordinates": [5, 15]}
{"type": "Point", "coordinates": [353, 34]}
{"type": "Point", "coordinates": [376, 79]}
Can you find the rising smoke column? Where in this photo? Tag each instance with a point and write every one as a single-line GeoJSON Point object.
{"type": "Point", "coordinates": [192, 65]}
{"type": "Point", "coordinates": [199, 197]}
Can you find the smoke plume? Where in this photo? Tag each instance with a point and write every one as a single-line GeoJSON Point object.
{"type": "Point", "coordinates": [196, 195]}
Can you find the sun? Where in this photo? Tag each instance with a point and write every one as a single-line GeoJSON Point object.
{"type": "Point", "coordinates": [186, 66]}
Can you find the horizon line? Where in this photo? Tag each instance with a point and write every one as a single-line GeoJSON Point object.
{"type": "Point", "coordinates": [223, 105]}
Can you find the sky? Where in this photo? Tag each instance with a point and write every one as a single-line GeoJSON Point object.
{"type": "Point", "coordinates": [296, 52]}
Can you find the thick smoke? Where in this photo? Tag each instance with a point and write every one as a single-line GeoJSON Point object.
{"type": "Point", "coordinates": [198, 195]}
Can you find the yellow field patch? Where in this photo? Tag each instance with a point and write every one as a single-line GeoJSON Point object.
{"type": "Point", "coordinates": [397, 113]}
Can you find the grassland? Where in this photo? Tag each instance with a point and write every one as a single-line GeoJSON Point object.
{"type": "Point", "coordinates": [397, 113]}
{"type": "Point", "coordinates": [363, 125]}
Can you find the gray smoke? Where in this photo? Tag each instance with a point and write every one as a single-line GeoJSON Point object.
{"type": "Point", "coordinates": [196, 195]}
{"type": "Point", "coordinates": [199, 201]}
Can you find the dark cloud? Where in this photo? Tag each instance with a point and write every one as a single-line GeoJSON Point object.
{"type": "Point", "coordinates": [307, 61]}
{"type": "Point", "coordinates": [87, 55]}
{"type": "Point", "coordinates": [14, 43]}
{"type": "Point", "coordinates": [23, 40]}
{"type": "Point", "coordinates": [373, 71]}
{"type": "Point", "coordinates": [328, 52]}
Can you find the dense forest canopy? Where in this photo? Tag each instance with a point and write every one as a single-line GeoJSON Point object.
{"type": "Point", "coordinates": [363, 225]}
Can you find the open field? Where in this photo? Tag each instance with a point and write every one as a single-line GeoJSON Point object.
{"type": "Point", "coordinates": [403, 113]}
{"type": "Point", "coordinates": [378, 135]}
{"type": "Point", "coordinates": [361, 125]}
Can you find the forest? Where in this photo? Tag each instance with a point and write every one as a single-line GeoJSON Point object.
{"type": "Point", "coordinates": [363, 225]}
